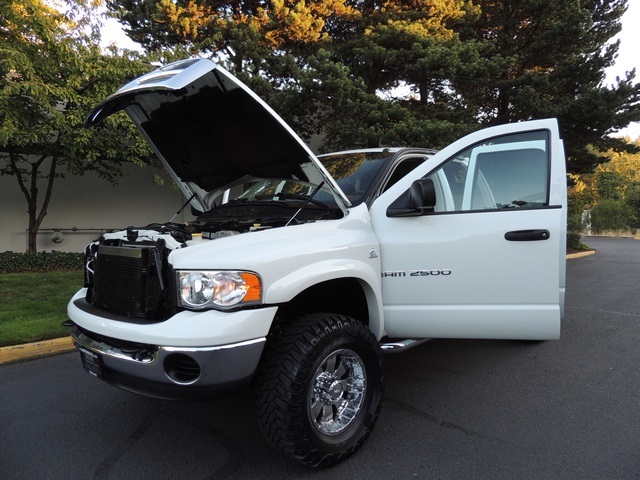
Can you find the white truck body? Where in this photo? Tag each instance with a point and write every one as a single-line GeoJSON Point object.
{"type": "Point", "coordinates": [407, 244]}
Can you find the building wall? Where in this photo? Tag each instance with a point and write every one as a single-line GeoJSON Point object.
{"type": "Point", "coordinates": [83, 207]}
{"type": "Point", "coordinates": [90, 205]}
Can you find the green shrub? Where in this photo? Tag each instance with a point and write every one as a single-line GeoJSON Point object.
{"type": "Point", "coordinates": [574, 227]}
{"type": "Point", "coordinates": [574, 243]}
{"type": "Point", "coordinates": [611, 215]}
{"type": "Point", "coordinates": [11, 262]}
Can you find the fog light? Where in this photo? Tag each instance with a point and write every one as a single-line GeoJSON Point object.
{"type": "Point", "coordinates": [181, 368]}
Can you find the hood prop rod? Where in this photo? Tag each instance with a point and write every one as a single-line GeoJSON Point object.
{"type": "Point", "coordinates": [183, 207]}
{"type": "Point", "coordinates": [305, 203]}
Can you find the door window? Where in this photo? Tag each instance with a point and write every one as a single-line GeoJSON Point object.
{"type": "Point", "coordinates": [505, 173]}
{"type": "Point", "coordinates": [402, 169]}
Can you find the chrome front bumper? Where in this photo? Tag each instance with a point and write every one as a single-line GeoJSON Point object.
{"type": "Point", "coordinates": [165, 371]}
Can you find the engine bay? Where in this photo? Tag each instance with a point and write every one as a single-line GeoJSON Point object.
{"type": "Point", "coordinates": [227, 220]}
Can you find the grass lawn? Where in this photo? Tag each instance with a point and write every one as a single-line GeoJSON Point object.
{"type": "Point", "coordinates": [32, 305]}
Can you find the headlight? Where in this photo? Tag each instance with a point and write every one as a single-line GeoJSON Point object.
{"type": "Point", "coordinates": [202, 289]}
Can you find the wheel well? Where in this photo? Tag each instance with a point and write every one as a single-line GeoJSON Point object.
{"type": "Point", "coordinates": [343, 296]}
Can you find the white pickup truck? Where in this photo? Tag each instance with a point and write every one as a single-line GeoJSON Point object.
{"type": "Point", "coordinates": [299, 271]}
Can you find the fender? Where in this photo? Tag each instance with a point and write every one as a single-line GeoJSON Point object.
{"type": "Point", "coordinates": [368, 275]}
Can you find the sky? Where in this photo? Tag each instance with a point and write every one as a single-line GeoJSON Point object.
{"type": "Point", "coordinates": [628, 56]}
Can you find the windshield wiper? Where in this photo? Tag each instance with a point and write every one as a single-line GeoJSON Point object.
{"type": "Point", "coordinates": [297, 196]}
{"type": "Point", "coordinates": [276, 197]}
{"type": "Point", "coordinates": [305, 203]}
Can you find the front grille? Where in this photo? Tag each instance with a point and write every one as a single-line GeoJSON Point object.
{"type": "Point", "coordinates": [127, 281]}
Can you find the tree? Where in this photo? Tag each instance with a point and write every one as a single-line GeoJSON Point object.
{"type": "Point", "coordinates": [340, 58]}
{"type": "Point", "coordinates": [551, 59]}
{"type": "Point", "coordinates": [632, 200]}
{"type": "Point", "coordinates": [51, 73]}
{"type": "Point", "coordinates": [397, 47]}
{"type": "Point", "coordinates": [465, 63]}
{"type": "Point", "coordinates": [613, 179]}
{"type": "Point", "coordinates": [612, 215]}
{"type": "Point", "coordinates": [612, 190]}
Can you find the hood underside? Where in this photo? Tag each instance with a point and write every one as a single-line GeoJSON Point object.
{"type": "Point", "coordinates": [209, 130]}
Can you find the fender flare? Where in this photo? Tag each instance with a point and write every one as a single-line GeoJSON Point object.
{"type": "Point", "coordinates": [296, 282]}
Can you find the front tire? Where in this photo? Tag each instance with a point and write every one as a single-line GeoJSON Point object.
{"type": "Point", "coordinates": [319, 388]}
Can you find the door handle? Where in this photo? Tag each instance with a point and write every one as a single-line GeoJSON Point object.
{"type": "Point", "coordinates": [527, 235]}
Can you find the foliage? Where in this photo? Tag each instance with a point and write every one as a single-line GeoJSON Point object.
{"type": "Point", "coordinates": [550, 60]}
{"type": "Point", "coordinates": [617, 180]}
{"type": "Point", "coordinates": [382, 72]}
{"type": "Point", "coordinates": [632, 199]}
{"type": "Point", "coordinates": [574, 243]}
{"type": "Point", "coordinates": [52, 72]}
{"type": "Point", "coordinates": [11, 262]}
{"type": "Point", "coordinates": [574, 230]}
{"type": "Point", "coordinates": [610, 184]}
{"type": "Point", "coordinates": [610, 214]}
{"type": "Point", "coordinates": [574, 219]}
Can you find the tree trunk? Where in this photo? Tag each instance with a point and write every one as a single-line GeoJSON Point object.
{"type": "Point", "coordinates": [504, 104]}
{"type": "Point", "coordinates": [31, 195]}
{"type": "Point", "coordinates": [35, 226]}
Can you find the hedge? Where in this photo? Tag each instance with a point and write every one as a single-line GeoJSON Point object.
{"type": "Point", "coordinates": [11, 262]}
{"type": "Point", "coordinates": [611, 214]}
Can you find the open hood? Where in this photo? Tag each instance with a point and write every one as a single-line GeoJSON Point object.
{"type": "Point", "coordinates": [210, 130]}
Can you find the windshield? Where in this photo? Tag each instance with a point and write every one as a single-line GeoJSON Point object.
{"type": "Point", "coordinates": [279, 189]}
{"type": "Point", "coordinates": [356, 172]}
{"type": "Point", "coordinates": [273, 188]}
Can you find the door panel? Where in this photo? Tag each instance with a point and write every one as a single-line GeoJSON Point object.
{"type": "Point", "coordinates": [454, 273]}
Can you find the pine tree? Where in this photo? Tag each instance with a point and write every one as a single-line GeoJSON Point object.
{"type": "Point", "coordinates": [419, 72]}
{"type": "Point", "coordinates": [550, 60]}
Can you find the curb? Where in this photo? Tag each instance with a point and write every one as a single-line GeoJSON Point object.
{"type": "Point", "coordinates": [57, 346]}
{"type": "Point", "coordinates": [31, 351]}
{"type": "Point", "coordinates": [581, 254]}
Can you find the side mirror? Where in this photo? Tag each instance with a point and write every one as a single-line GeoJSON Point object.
{"type": "Point", "coordinates": [418, 200]}
{"type": "Point", "coordinates": [422, 195]}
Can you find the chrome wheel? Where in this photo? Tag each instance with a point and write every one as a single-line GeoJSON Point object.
{"type": "Point", "coordinates": [338, 392]}
{"type": "Point", "coordinates": [319, 388]}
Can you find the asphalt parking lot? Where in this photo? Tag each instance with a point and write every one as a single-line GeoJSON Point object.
{"type": "Point", "coordinates": [564, 409]}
